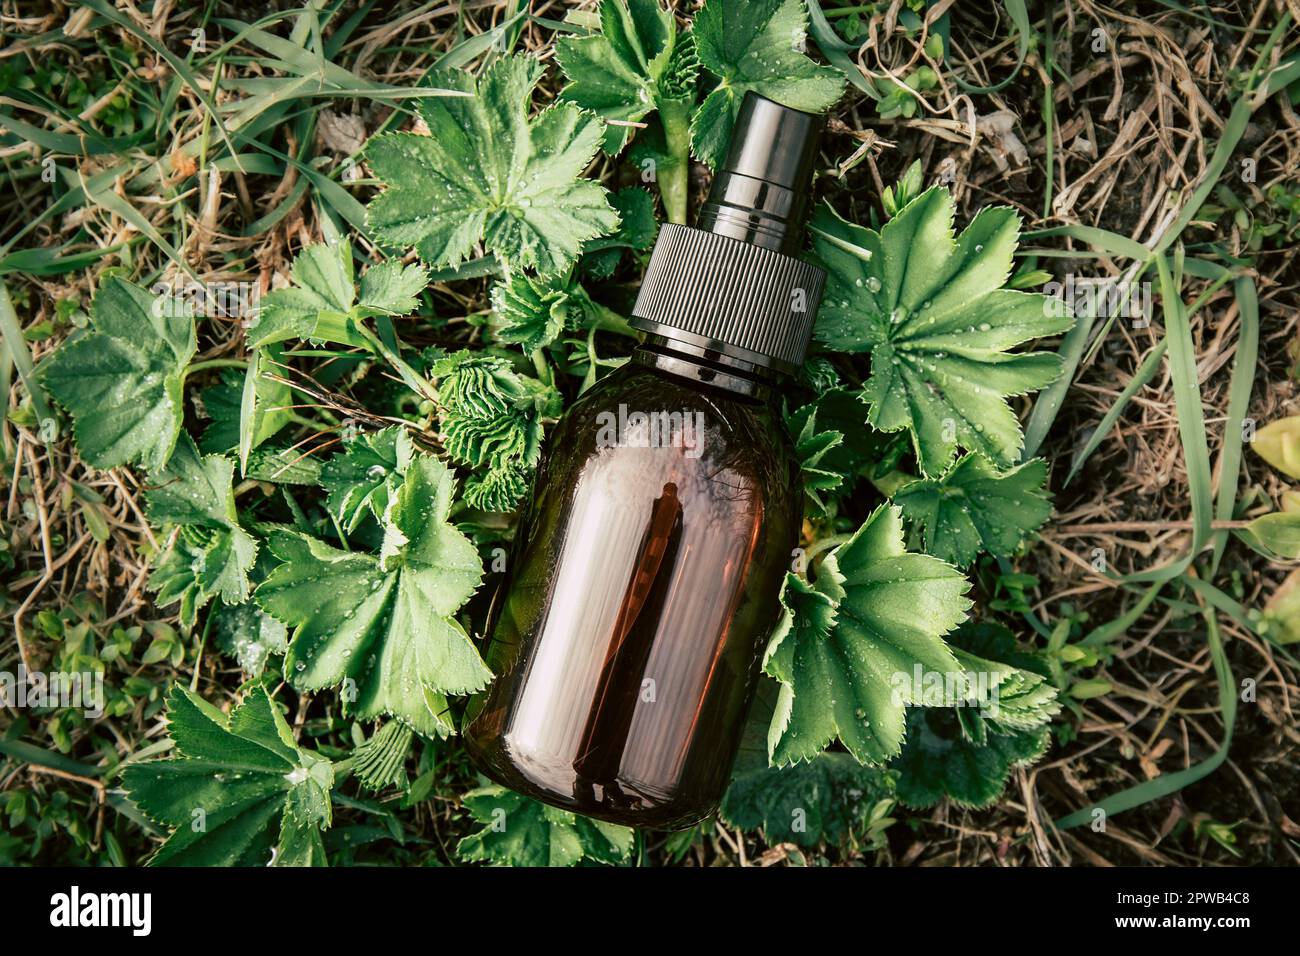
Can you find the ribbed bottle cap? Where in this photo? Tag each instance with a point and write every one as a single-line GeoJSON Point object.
{"type": "Point", "coordinates": [733, 284]}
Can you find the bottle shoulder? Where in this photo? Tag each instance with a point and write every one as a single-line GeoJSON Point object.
{"type": "Point", "coordinates": [640, 419]}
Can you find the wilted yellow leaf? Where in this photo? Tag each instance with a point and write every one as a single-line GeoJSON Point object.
{"type": "Point", "coordinates": [1278, 443]}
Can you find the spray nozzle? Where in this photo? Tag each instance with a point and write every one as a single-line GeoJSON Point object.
{"type": "Point", "coordinates": [760, 193]}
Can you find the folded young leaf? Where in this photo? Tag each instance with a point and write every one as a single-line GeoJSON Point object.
{"type": "Point", "coordinates": [224, 401]}
{"type": "Point", "coordinates": [938, 324]}
{"type": "Point", "coordinates": [519, 831]}
{"type": "Point", "coordinates": [383, 625]}
{"type": "Point", "coordinates": [754, 46]}
{"type": "Point", "coordinates": [974, 508]}
{"type": "Point", "coordinates": [488, 172]}
{"type": "Point", "coordinates": [533, 311]}
{"type": "Point", "coordinates": [492, 419]}
{"type": "Point", "coordinates": [232, 780]}
{"type": "Point", "coordinates": [379, 762]}
{"type": "Point", "coordinates": [121, 379]}
{"type": "Point", "coordinates": [848, 645]}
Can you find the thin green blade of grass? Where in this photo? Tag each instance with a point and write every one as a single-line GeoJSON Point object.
{"type": "Point", "coordinates": [38, 756]}
{"type": "Point", "coordinates": [1049, 401]}
{"type": "Point", "coordinates": [1140, 378]}
{"type": "Point", "coordinates": [179, 66]}
{"type": "Point", "coordinates": [1169, 783]}
{"type": "Point", "coordinates": [21, 357]}
{"type": "Point", "coordinates": [1244, 364]}
{"type": "Point", "coordinates": [836, 50]}
{"type": "Point", "coordinates": [1191, 426]}
{"type": "Point", "coordinates": [1105, 633]}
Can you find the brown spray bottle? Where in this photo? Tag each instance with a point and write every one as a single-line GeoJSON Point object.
{"type": "Point", "coordinates": [627, 637]}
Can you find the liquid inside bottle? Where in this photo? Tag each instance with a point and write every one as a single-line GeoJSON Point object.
{"type": "Point", "coordinates": [628, 635]}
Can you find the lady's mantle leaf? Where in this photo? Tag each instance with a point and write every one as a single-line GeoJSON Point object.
{"type": "Point", "coordinates": [939, 759]}
{"type": "Point", "coordinates": [966, 753]}
{"type": "Point", "coordinates": [492, 419]}
{"type": "Point", "coordinates": [488, 172]}
{"type": "Point", "coordinates": [533, 311]}
{"type": "Point", "coordinates": [619, 72]}
{"type": "Point", "coordinates": [122, 379]}
{"type": "Point", "coordinates": [383, 625]}
{"type": "Point", "coordinates": [754, 46]}
{"type": "Point", "coordinates": [250, 636]}
{"type": "Point", "coordinates": [937, 322]}
{"type": "Point", "coordinates": [211, 554]}
{"type": "Point", "coordinates": [823, 799]}
{"type": "Point", "coordinates": [848, 646]}
{"type": "Point", "coordinates": [363, 479]}
{"type": "Point", "coordinates": [974, 508]}
{"type": "Point", "coordinates": [234, 779]}
{"type": "Point", "coordinates": [519, 831]}
{"type": "Point", "coordinates": [812, 446]}
{"type": "Point", "coordinates": [324, 297]}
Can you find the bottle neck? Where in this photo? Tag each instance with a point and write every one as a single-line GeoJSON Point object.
{"type": "Point", "coordinates": [706, 367]}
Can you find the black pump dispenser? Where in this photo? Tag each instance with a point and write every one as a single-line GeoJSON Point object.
{"type": "Point", "coordinates": [732, 284]}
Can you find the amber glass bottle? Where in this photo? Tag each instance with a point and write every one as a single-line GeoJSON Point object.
{"type": "Point", "coordinates": [627, 637]}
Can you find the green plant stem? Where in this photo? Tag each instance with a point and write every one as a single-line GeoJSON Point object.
{"type": "Point", "coordinates": [214, 363]}
{"type": "Point", "coordinates": [607, 320]}
{"type": "Point", "coordinates": [673, 174]}
{"type": "Point", "coordinates": [823, 544]}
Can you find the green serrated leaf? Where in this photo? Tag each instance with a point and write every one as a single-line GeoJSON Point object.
{"type": "Point", "coordinates": [938, 324]}
{"type": "Point", "coordinates": [234, 778]}
{"type": "Point", "coordinates": [754, 46]}
{"type": "Point", "coordinates": [324, 301]}
{"type": "Point", "coordinates": [975, 508]}
{"type": "Point", "coordinates": [488, 172]}
{"type": "Point", "coordinates": [847, 646]}
{"type": "Point", "coordinates": [618, 72]}
{"type": "Point", "coordinates": [939, 760]}
{"type": "Point", "coordinates": [249, 635]}
{"type": "Point", "coordinates": [519, 831]}
{"type": "Point", "coordinates": [383, 625]}
{"type": "Point", "coordinates": [121, 380]}
{"type": "Point", "coordinates": [966, 753]}
{"type": "Point", "coordinates": [812, 446]}
{"type": "Point", "coordinates": [637, 230]}
{"type": "Point", "coordinates": [212, 554]}
{"type": "Point", "coordinates": [492, 419]}
{"type": "Point", "coordinates": [823, 799]}
{"type": "Point", "coordinates": [363, 479]}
